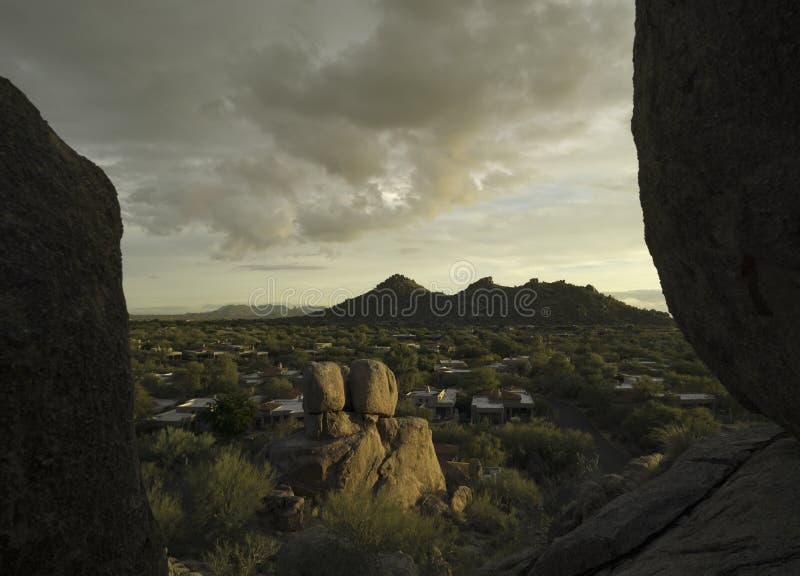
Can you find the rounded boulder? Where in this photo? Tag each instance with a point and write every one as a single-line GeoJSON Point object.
{"type": "Point", "coordinates": [323, 388]}
{"type": "Point", "coordinates": [373, 388]}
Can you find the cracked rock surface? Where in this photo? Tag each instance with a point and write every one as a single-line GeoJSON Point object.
{"type": "Point", "coordinates": [730, 505]}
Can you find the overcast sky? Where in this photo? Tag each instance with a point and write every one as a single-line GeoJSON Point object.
{"type": "Point", "coordinates": [327, 144]}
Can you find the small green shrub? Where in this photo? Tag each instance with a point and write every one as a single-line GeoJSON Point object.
{"type": "Point", "coordinates": [166, 509]}
{"type": "Point", "coordinates": [380, 524]}
{"type": "Point", "coordinates": [244, 558]}
{"type": "Point", "coordinates": [226, 493]}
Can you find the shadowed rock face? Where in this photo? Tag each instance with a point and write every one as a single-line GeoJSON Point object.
{"type": "Point", "coordinates": [70, 496]}
{"type": "Point", "coordinates": [717, 128]}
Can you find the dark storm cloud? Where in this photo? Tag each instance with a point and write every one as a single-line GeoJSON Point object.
{"type": "Point", "coordinates": [270, 123]}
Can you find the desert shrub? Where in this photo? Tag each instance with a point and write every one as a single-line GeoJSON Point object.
{"type": "Point", "coordinates": [646, 418]}
{"type": "Point", "coordinates": [486, 517]}
{"type": "Point", "coordinates": [380, 524]}
{"type": "Point", "coordinates": [172, 448]}
{"type": "Point", "coordinates": [676, 437]}
{"type": "Point", "coordinates": [166, 508]}
{"type": "Point", "coordinates": [225, 493]}
{"type": "Point", "coordinates": [673, 438]}
{"type": "Point", "coordinates": [451, 433]}
{"type": "Point", "coordinates": [545, 450]}
{"type": "Point", "coordinates": [485, 447]}
{"type": "Point", "coordinates": [245, 558]}
{"type": "Point", "coordinates": [514, 513]}
{"type": "Point", "coordinates": [406, 407]}
{"type": "Point", "coordinates": [700, 422]}
{"type": "Point", "coordinates": [513, 492]}
{"type": "Point", "coordinates": [232, 414]}
{"type": "Point", "coordinates": [640, 426]}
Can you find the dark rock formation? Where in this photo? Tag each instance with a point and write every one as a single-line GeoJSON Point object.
{"type": "Point", "coordinates": [71, 500]}
{"type": "Point", "coordinates": [717, 127]}
{"type": "Point", "coordinates": [727, 506]}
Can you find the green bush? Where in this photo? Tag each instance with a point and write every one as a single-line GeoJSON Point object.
{"type": "Point", "coordinates": [486, 517]}
{"type": "Point", "coordinates": [245, 558]}
{"type": "Point", "coordinates": [226, 493]}
{"type": "Point", "coordinates": [451, 433]}
{"type": "Point", "coordinates": [406, 407]}
{"type": "Point", "coordinates": [380, 524]}
{"type": "Point", "coordinates": [545, 450]}
{"type": "Point", "coordinates": [167, 510]}
{"type": "Point", "coordinates": [513, 492]}
{"type": "Point", "coordinates": [485, 447]}
{"type": "Point", "coordinates": [173, 448]}
{"type": "Point", "coordinates": [232, 414]}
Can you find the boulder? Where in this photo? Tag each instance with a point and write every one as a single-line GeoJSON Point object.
{"type": "Point", "coordinates": [286, 510]}
{"type": "Point", "coordinates": [323, 388]}
{"type": "Point", "coordinates": [720, 494]}
{"type": "Point", "coordinates": [317, 551]}
{"type": "Point", "coordinates": [716, 87]}
{"type": "Point", "coordinates": [394, 456]}
{"type": "Point", "coordinates": [332, 424]}
{"type": "Point", "coordinates": [410, 467]}
{"type": "Point", "coordinates": [461, 499]}
{"type": "Point", "coordinates": [71, 499]}
{"type": "Point", "coordinates": [373, 388]}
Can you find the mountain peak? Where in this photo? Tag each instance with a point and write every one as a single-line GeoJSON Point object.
{"type": "Point", "coordinates": [399, 284]}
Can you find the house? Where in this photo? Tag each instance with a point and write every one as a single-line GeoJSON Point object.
{"type": "Point", "coordinates": [201, 354]}
{"type": "Point", "coordinates": [449, 365]}
{"type": "Point", "coordinates": [441, 402]}
{"type": "Point", "coordinates": [196, 405]}
{"type": "Point", "coordinates": [172, 418]}
{"type": "Point", "coordinates": [501, 406]}
{"type": "Point", "coordinates": [281, 409]}
{"type": "Point", "coordinates": [691, 400]}
{"type": "Point", "coordinates": [252, 379]}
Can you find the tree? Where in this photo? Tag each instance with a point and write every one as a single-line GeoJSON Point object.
{"type": "Point", "coordinates": [482, 378]}
{"type": "Point", "coordinates": [232, 414]}
{"type": "Point", "coordinates": [225, 494]}
{"type": "Point", "coordinates": [223, 375]}
{"type": "Point", "coordinates": [486, 448]}
{"type": "Point", "coordinates": [189, 379]}
{"type": "Point", "coordinates": [143, 403]}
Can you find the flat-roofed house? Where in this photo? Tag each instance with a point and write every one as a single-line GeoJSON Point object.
{"type": "Point", "coordinates": [441, 402]}
{"type": "Point", "coordinates": [196, 405]}
{"type": "Point", "coordinates": [501, 406]}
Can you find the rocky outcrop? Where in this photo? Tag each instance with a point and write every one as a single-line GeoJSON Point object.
{"type": "Point", "coordinates": [373, 388]}
{"type": "Point", "coordinates": [285, 509]}
{"type": "Point", "coordinates": [727, 506]}
{"type": "Point", "coordinates": [71, 500]}
{"type": "Point", "coordinates": [323, 388]}
{"type": "Point", "coordinates": [716, 86]}
{"type": "Point", "coordinates": [317, 551]}
{"type": "Point", "coordinates": [388, 455]}
{"type": "Point", "coordinates": [365, 449]}
{"type": "Point", "coordinates": [598, 491]}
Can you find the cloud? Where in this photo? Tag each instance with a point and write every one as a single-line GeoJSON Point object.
{"type": "Point", "coordinates": [280, 124]}
{"type": "Point", "coordinates": [278, 267]}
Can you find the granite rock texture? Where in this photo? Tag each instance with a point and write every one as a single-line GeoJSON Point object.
{"type": "Point", "coordinates": [71, 500]}
{"type": "Point", "coordinates": [717, 129]}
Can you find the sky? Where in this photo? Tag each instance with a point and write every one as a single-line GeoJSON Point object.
{"type": "Point", "coordinates": [309, 149]}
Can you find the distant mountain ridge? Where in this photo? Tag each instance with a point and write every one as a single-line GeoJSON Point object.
{"type": "Point", "coordinates": [231, 312]}
{"type": "Point", "coordinates": [400, 298]}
